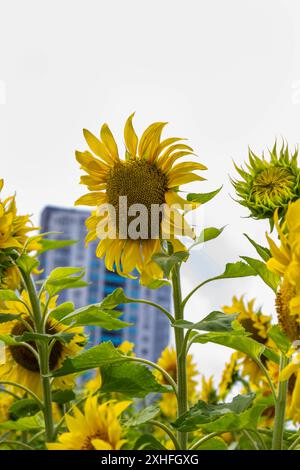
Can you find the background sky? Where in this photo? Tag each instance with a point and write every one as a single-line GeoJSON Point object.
{"type": "Point", "coordinates": [224, 74]}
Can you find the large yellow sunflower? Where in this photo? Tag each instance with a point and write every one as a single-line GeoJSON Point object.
{"type": "Point", "coordinates": [97, 429]}
{"type": "Point", "coordinates": [147, 177]}
{"type": "Point", "coordinates": [285, 262]}
{"type": "Point", "coordinates": [167, 360]}
{"type": "Point", "coordinates": [21, 365]}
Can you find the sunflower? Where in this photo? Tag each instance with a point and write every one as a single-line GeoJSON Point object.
{"type": "Point", "coordinates": [147, 177]}
{"type": "Point", "coordinates": [168, 361]}
{"type": "Point", "coordinates": [14, 230]}
{"type": "Point", "coordinates": [269, 185]}
{"type": "Point", "coordinates": [97, 429]}
{"type": "Point", "coordinates": [21, 365]}
{"type": "Point", "coordinates": [255, 323]}
{"type": "Point", "coordinates": [285, 262]}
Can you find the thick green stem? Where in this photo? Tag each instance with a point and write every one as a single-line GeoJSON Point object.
{"type": "Point", "coordinates": [280, 407]}
{"type": "Point", "coordinates": [43, 352]}
{"type": "Point", "coordinates": [180, 353]}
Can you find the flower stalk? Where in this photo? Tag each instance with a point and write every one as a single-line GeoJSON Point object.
{"type": "Point", "coordinates": [280, 408]}
{"type": "Point", "coordinates": [43, 354]}
{"type": "Point", "coordinates": [180, 353]}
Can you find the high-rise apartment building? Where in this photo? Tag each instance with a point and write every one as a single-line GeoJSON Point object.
{"type": "Point", "coordinates": [150, 330]}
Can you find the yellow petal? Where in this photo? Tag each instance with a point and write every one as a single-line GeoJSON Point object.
{"type": "Point", "coordinates": [109, 142]}
{"type": "Point", "coordinates": [97, 147]}
{"type": "Point", "coordinates": [131, 139]}
{"type": "Point", "coordinates": [92, 199]}
{"type": "Point", "coordinates": [177, 180]}
{"type": "Point", "coordinates": [148, 135]}
{"type": "Point", "coordinates": [99, 444]}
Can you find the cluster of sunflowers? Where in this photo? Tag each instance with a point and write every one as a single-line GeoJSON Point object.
{"type": "Point", "coordinates": [46, 399]}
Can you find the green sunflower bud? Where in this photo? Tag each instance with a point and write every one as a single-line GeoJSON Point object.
{"type": "Point", "coordinates": [270, 184]}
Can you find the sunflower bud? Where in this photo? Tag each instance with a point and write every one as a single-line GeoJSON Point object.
{"type": "Point", "coordinates": [268, 185]}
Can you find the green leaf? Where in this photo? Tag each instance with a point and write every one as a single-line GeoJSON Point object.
{"type": "Point", "coordinates": [97, 356]}
{"type": "Point", "coordinates": [30, 423]}
{"type": "Point", "coordinates": [142, 417]}
{"type": "Point", "coordinates": [271, 279]}
{"type": "Point", "coordinates": [238, 269]}
{"type": "Point", "coordinates": [29, 336]}
{"type": "Point", "coordinates": [48, 244]}
{"type": "Point", "coordinates": [63, 396]}
{"type": "Point", "coordinates": [208, 234]}
{"type": "Point", "coordinates": [215, 321]}
{"type": "Point", "coordinates": [263, 252]}
{"type": "Point", "coordinates": [94, 315]}
{"type": "Point", "coordinates": [62, 310]}
{"type": "Point", "coordinates": [27, 263]}
{"type": "Point", "coordinates": [131, 379]}
{"type": "Point", "coordinates": [64, 278]}
{"type": "Point", "coordinates": [239, 341]}
{"type": "Point", "coordinates": [167, 262]}
{"type": "Point", "coordinates": [148, 442]}
{"type": "Point", "coordinates": [279, 338]}
{"type": "Point", "coordinates": [203, 413]}
{"type": "Point", "coordinates": [8, 295]}
{"type": "Point", "coordinates": [157, 283]}
{"type": "Point", "coordinates": [8, 339]}
{"type": "Point", "coordinates": [203, 197]}
{"type": "Point", "coordinates": [22, 408]}
{"type": "Point", "coordinates": [215, 443]}
{"type": "Point", "coordinates": [6, 317]}
{"type": "Point", "coordinates": [116, 298]}
{"type": "Point", "coordinates": [234, 423]}
{"type": "Point", "coordinates": [63, 273]}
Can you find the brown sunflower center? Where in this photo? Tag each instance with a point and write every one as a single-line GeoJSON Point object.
{"type": "Point", "coordinates": [141, 183]}
{"type": "Point", "coordinates": [287, 321]}
{"type": "Point", "coordinates": [88, 445]}
{"type": "Point", "coordinates": [25, 358]}
{"type": "Point", "coordinates": [275, 184]}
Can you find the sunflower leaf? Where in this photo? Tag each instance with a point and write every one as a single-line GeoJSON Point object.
{"type": "Point", "coordinates": [148, 442]}
{"type": "Point", "coordinates": [202, 198]}
{"type": "Point", "coordinates": [142, 416]}
{"type": "Point", "coordinates": [8, 295]}
{"type": "Point", "coordinates": [64, 278]}
{"type": "Point", "coordinates": [48, 244]}
{"type": "Point", "coordinates": [239, 340]}
{"type": "Point", "coordinates": [97, 356]}
{"type": "Point", "coordinates": [131, 379]}
{"type": "Point", "coordinates": [271, 279]}
{"type": "Point", "coordinates": [215, 321]}
{"type": "Point", "coordinates": [94, 315]}
{"type": "Point", "coordinates": [28, 336]}
{"type": "Point", "coordinates": [117, 297]}
{"type": "Point", "coordinates": [207, 234]}
{"type": "Point", "coordinates": [59, 312]}
{"type": "Point", "coordinates": [263, 252]}
{"type": "Point", "coordinates": [167, 262]}
{"type": "Point", "coordinates": [29, 423]}
{"type": "Point", "coordinates": [63, 396]}
{"type": "Point", "coordinates": [22, 408]}
{"type": "Point", "coordinates": [6, 317]}
{"type": "Point", "coordinates": [202, 414]}
{"type": "Point", "coordinates": [27, 263]}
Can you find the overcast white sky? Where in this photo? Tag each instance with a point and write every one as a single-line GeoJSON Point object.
{"type": "Point", "coordinates": [225, 74]}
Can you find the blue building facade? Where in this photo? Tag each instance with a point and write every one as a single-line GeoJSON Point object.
{"type": "Point", "coordinates": [150, 331]}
